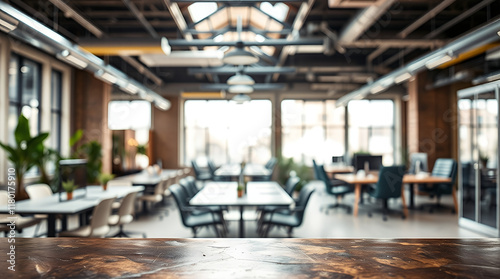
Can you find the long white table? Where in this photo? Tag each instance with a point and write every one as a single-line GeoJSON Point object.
{"type": "Point", "coordinates": [257, 194]}
{"type": "Point", "coordinates": [51, 206]}
{"type": "Point", "coordinates": [145, 179]}
{"type": "Point", "coordinates": [233, 171]}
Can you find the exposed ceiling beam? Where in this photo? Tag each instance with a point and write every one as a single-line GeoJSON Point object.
{"type": "Point", "coordinates": [439, 30]}
{"type": "Point", "coordinates": [244, 29]}
{"type": "Point", "coordinates": [138, 14]}
{"type": "Point", "coordinates": [257, 86]}
{"type": "Point", "coordinates": [271, 42]}
{"type": "Point", "coordinates": [246, 70]}
{"type": "Point", "coordinates": [142, 69]}
{"type": "Point", "coordinates": [395, 43]}
{"type": "Point", "coordinates": [298, 22]}
{"type": "Point", "coordinates": [412, 27]}
{"type": "Point", "coordinates": [98, 33]}
{"type": "Point", "coordinates": [70, 12]}
{"type": "Point", "coordinates": [237, 1]}
{"type": "Point", "coordinates": [363, 20]}
{"type": "Point", "coordinates": [192, 25]}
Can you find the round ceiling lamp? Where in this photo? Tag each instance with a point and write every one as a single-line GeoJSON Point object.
{"type": "Point", "coordinates": [241, 98]}
{"type": "Point", "coordinates": [239, 56]}
{"type": "Point", "coordinates": [236, 89]}
{"type": "Point", "coordinates": [240, 79]}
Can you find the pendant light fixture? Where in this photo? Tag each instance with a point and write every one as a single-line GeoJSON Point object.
{"type": "Point", "coordinates": [239, 56]}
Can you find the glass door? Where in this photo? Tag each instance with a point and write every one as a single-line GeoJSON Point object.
{"type": "Point", "coordinates": [487, 149]}
{"type": "Point", "coordinates": [468, 160]}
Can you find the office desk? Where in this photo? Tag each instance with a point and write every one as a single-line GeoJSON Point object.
{"type": "Point", "coordinates": [253, 258]}
{"type": "Point", "coordinates": [225, 194]}
{"type": "Point", "coordinates": [51, 206]}
{"type": "Point", "coordinates": [372, 179]}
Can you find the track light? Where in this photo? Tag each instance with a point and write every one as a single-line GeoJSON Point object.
{"type": "Point", "coordinates": [377, 89]}
{"type": "Point", "coordinates": [7, 23]}
{"type": "Point", "coordinates": [434, 63]}
{"type": "Point", "coordinates": [402, 78]}
{"type": "Point", "coordinates": [105, 76]}
{"type": "Point", "coordinates": [65, 55]}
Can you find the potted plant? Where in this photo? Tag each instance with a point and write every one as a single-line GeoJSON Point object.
{"type": "Point", "coordinates": [69, 186]}
{"type": "Point", "coordinates": [241, 190]}
{"type": "Point", "coordinates": [104, 178]}
{"type": "Point", "coordinates": [24, 154]}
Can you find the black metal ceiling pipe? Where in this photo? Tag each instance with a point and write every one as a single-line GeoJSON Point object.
{"type": "Point", "coordinates": [246, 70]}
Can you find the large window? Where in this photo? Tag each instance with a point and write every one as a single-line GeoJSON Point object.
{"type": "Point", "coordinates": [312, 130]}
{"type": "Point", "coordinates": [55, 110]}
{"type": "Point", "coordinates": [225, 132]}
{"type": "Point", "coordinates": [317, 129]}
{"type": "Point", "coordinates": [371, 128]}
{"type": "Point", "coordinates": [24, 93]}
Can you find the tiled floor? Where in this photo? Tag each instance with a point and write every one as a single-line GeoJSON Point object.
{"type": "Point", "coordinates": [165, 222]}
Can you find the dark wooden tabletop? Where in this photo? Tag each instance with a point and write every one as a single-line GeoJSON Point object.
{"type": "Point", "coordinates": [255, 258]}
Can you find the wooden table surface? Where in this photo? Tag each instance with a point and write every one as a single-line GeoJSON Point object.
{"type": "Point", "coordinates": [254, 258]}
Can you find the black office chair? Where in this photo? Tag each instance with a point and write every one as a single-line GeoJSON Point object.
{"type": "Point", "coordinates": [290, 186]}
{"type": "Point", "coordinates": [270, 165]}
{"type": "Point", "coordinates": [290, 218]}
{"type": "Point", "coordinates": [443, 167]}
{"type": "Point", "coordinates": [204, 218]}
{"type": "Point", "coordinates": [199, 173]}
{"type": "Point", "coordinates": [388, 186]}
{"type": "Point", "coordinates": [334, 187]}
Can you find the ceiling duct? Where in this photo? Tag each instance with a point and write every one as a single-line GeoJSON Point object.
{"type": "Point", "coordinates": [41, 37]}
{"type": "Point", "coordinates": [475, 39]}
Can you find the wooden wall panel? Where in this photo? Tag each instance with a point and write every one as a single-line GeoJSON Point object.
{"type": "Point", "coordinates": [166, 131]}
{"type": "Point", "coordinates": [90, 112]}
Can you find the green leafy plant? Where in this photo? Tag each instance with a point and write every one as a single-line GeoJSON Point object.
{"type": "Point", "coordinates": [69, 186]}
{"type": "Point", "coordinates": [92, 152]}
{"type": "Point", "coordinates": [105, 177]}
{"type": "Point", "coordinates": [141, 149]}
{"type": "Point", "coordinates": [25, 153]}
{"type": "Point", "coordinates": [287, 165]}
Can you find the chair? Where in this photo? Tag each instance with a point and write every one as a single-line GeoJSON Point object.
{"type": "Point", "coordinates": [21, 222]}
{"type": "Point", "coordinates": [155, 197]}
{"type": "Point", "coordinates": [116, 183]}
{"type": "Point", "coordinates": [199, 173]}
{"type": "Point", "coordinates": [389, 185]}
{"type": "Point", "coordinates": [443, 167]}
{"type": "Point", "coordinates": [290, 186]}
{"type": "Point", "coordinates": [37, 192]}
{"type": "Point", "coordinates": [334, 187]}
{"type": "Point", "coordinates": [290, 218]}
{"type": "Point", "coordinates": [270, 165]}
{"type": "Point", "coordinates": [98, 223]}
{"type": "Point", "coordinates": [125, 215]}
{"type": "Point", "coordinates": [205, 218]}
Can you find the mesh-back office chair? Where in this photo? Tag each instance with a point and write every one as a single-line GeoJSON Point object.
{"type": "Point", "coordinates": [271, 166]}
{"type": "Point", "coordinates": [21, 222]}
{"type": "Point", "coordinates": [98, 224]}
{"type": "Point", "coordinates": [199, 173]}
{"type": "Point", "coordinates": [443, 167]}
{"type": "Point", "coordinates": [334, 187]}
{"type": "Point", "coordinates": [291, 218]}
{"type": "Point", "coordinates": [205, 218]}
{"type": "Point", "coordinates": [125, 215]}
{"type": "Point", "coordinates": [389, 185]}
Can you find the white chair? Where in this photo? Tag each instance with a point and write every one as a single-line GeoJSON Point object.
{"type": "Point", "coordinates": [125, 215]}
{"type": "Point", "coordinates": [122, 183]}
{"type": "Point", "coordinates": [21, 222]}
{"type": "Point", "coordinates": [37, 192]}
{"type": "Point", "coordinates": [155, 197]}
{"type": "Point", "coordinates": [98, 224]}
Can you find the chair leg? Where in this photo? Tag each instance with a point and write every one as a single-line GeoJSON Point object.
{"type": "Point", "coordinates": [290, 229]}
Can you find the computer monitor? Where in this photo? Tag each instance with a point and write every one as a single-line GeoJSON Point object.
{"type": "Point", "coordinates": [374, 162]}
{"type": "Point", "coordinates": [418, 157]}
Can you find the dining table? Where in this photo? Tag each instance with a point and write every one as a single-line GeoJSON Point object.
{"type": "Point", "coordinates": [258, 193]}
{"type": "Point", "coordinates": [148, 179]}
{"type": "Point", "coordinates": [372, 178]}
{"type": "Point", "coordinates": [85, 200]}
